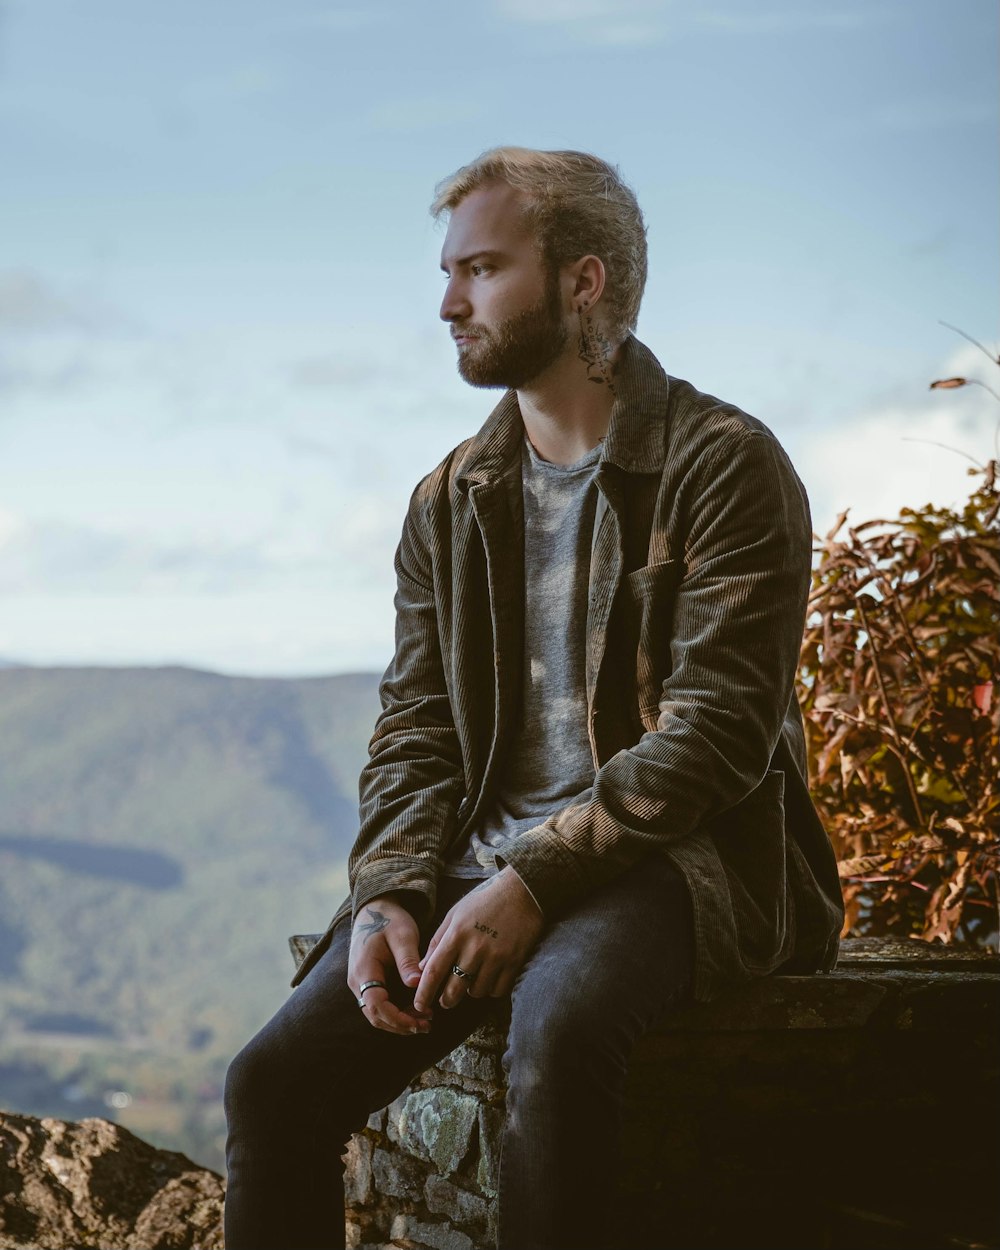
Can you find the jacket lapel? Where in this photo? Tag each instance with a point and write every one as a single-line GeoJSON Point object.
{"type": "Point", "coordinates": [607, 563]}
{"type": "Point", "coordinates": [503, 543]}
{"type": "Point", "coordinates": [490, 476]}
{"type": "Point", "coordinates": [631, 464]}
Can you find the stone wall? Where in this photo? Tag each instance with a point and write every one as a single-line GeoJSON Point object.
{"type": "Point", "coordinates": [844, 1110]}
{"type": "Point", "coordinates": [424, 1170]}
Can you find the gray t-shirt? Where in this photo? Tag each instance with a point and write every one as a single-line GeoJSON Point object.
{"type": "Point", "coordinates": [550, 761]}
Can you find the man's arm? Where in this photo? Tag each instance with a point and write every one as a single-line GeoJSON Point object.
{"type": "Point", "coordinates": [736, 633]}
{"type": "Point", "coordinates": [413, 782]}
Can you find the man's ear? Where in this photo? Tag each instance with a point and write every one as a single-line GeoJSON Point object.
{"type": "Point", "coordinates": [585, 282]}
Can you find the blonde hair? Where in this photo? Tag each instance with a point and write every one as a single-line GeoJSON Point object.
{"type": "Point", "coordinates": [576, 205]}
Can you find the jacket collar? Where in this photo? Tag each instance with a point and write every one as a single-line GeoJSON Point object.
{"type": "Point", "coordinates": [637, 436]}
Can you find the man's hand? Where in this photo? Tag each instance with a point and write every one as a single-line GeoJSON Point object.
{"type": "Point", "coordinates": [385, 939]}
{"type": "Point", "coordinates": [489, 934]}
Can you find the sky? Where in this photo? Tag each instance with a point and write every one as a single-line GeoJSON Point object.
{"type": "Point", "coordinates": [222, 370]}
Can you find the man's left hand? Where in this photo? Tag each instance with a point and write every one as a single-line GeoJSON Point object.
{"type": "Point", "coordinates": [488, 934]}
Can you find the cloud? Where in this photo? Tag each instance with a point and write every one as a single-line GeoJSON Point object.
{"type": "Point", "coordinates": [53, 339]}
{"type": "Point", "coordinates": [232, 87]}
{"type": "Point", "coordinates": [57, 557]}
{"type": "Point", "coordinates": [405, 115]}
{"type": "Point", "coordinates": [921, 114]}
{"type": "Point", "coordinates": [306, 445]}
{"type": "Point", "coordinates": [904, 452]}
{"type": "Point", "coordinates": [54, 377]}
{"type": "Point", "coordinates": [331, 371]}
{"type": "Point", "coordinates": [29, 304]}
{"type": "Point", "coordinates": [758, 21]}
{"type": "Point", "coordinates": [621, 22]}
{"type": "Point", "coordinates": [11, 526]}
{"type": "Point", "coordinates": [337, 19]}
{"type": "Point", "coordinates": [574, 10]}
{"type": "Point", "coordinates": [637, 22]}
{"type": "Point", "coordinates": [933, 243]}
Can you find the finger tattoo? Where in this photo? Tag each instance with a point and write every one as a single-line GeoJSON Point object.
{"type": "Point", "coordinates": [377, 923]}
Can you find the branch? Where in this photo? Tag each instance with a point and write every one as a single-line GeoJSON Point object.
{"type": "Point", "coordinates": [988, 354]}
{"type": "Point", "coordinates": [888, 712]}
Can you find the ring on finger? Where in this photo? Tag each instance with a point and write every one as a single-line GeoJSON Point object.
{"type": "Point", "coordinates": [459, 972]}
{"type": "Point", "coordinates": [369, 985]}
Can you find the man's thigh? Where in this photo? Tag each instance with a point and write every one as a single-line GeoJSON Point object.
{"type": "Point", "coordinates": [614, 963]}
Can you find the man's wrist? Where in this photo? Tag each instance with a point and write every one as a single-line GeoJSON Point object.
{"type": "Point", "coordinates": [410, 900]}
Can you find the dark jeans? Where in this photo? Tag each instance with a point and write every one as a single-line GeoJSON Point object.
{"type": "Point", "coordinates": [312, 1076]}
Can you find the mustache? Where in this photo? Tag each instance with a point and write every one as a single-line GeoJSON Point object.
{"type": "Point", "coordinates": [468, 329]}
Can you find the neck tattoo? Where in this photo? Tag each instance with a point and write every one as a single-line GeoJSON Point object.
{"type": "Point", "coordinates": [595, 352]}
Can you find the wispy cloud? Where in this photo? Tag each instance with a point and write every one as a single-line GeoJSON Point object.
{"type": "Point", "coordinates": [331, 371]}
{"type": "Point", "coordinates": [414, 115]}
{"type": "Point", "coordinates": [58, 558]}
{"type": "Point", "coordinates": [921, 114]}
{"type": "Point", "coordinates": [906, 451]}
{"type": "Point", "coordinates": [31, 304]}
{"type": "Point", "coordinates": [64, 376]}
{"type": "Point", "coordinates": [761, 21]}
{"type": "Point", "coordinates": [634, 22]}
{"type": "Point", "coordinates": [55, 340]}
{"type": "Point", "coordinates": [303, 445]}
{"type": "Point", "coordinates": [619, 22]}
{"type": "Point", "coordinates": [233, 86]}
{"type": "Point", "coordinates": [575, 10]}
{"type": "Point", "coordinates": [337, 18]}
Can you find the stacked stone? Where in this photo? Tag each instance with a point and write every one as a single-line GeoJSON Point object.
{"type": "Point", "coordinates": [423, 1172]}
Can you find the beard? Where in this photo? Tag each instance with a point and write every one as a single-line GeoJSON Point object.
{"type": "Point", "coordinates": [518, 348]}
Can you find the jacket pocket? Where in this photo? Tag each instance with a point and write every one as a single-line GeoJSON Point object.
{"type": "Point", "coordinates": [651, 591]}
{"type": "Point", "coordinates": [751, 843]}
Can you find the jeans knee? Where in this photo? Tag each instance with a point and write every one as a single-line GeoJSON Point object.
{"type": "Point", "coordinates": [563, 1048]}
{"type": "Point", "coordinates": [256, 1083]}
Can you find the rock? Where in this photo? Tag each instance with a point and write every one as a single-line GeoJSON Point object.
{"type": "Point", "coordinates": [400, 1175]}
{"type": "Point", "coordinates": [478, 1058]}
{"type": "Point", "coordinates": [437, 1236]}
{"type": "Point", "coordinates": [491, 1122]}
{"type": "Point", "coordinates": [461, 1207]}
{"type": "Point", "coordinates": [69, 1186]}
{"type": "Point", "coordinates": [436, 1124]}
{"type": "Point", "coordinates": [358, 1170]}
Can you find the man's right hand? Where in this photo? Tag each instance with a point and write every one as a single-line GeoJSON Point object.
{"type": "Point", "coordinates": [384, 939]}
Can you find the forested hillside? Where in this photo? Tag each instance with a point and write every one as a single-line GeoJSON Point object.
{"type": "Point", "coordinates": [162, 832]}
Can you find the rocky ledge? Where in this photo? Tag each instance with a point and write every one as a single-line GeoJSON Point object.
{"type": "Point", "coordinates": [94, 1185]}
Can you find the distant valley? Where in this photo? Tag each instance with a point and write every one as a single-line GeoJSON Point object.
{"type": "Point", "coordinates": [162, 832]}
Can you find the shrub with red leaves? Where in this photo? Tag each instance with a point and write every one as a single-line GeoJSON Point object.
{"type": "Point", "coordinates": [900, 686]}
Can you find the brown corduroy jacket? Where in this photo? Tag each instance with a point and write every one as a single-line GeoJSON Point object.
{"type": "Point", "coordinates": [699, 575]}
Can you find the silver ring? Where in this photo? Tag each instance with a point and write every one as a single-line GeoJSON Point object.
{"type": "Point", "coordinates": [459, 972]}
{"type": "Point", "coordinates": [368, 985]}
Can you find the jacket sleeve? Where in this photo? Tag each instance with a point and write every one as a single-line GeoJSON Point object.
{"type": "Point", "coordinates": [413, 782]}
{"type": "Point", "coordinates": [735, 634]}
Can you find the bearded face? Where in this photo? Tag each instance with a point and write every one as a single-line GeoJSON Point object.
{"type": "Point", "coordinates": [515, 349]}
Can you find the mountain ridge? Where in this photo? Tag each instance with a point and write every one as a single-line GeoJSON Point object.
{"type": "Point", "coordinates": [163, 829]}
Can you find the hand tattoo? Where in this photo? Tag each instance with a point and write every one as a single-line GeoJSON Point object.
{"type": "Point", "coordinates": [485, 928]}
{"type": "Point", "coordinates": [376, 925]}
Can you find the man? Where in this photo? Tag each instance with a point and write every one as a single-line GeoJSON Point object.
{"type": "Point", "coordinates": [586, 787]}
